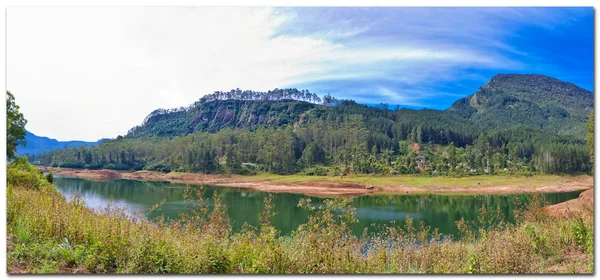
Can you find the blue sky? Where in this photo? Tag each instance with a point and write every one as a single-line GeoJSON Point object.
{"type": "Point", "coordinates": [145, 58]}
{"type": "Point", "coordinates": [467, 45]}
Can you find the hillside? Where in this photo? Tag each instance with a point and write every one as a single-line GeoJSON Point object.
{"type": "Point", "coordinates": [506, 101]}
{"type": "Point", "coordinates": [40, 144]}
{"type": "Point", "coordinates": [220, 114]}
{"type": "Point", "coordinates": [386, 127]}
{"type": "Point", "coordinates": [536, 101]}
{"type": "Point", "coordinates": [521, 123]}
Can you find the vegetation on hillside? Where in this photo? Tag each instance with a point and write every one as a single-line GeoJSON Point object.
{"type": "Point", "coordinates": [217, 115]}
{"type": "Point", "coordinates": [589, 138]}
{"type": "Point", "coordinates": [515, 123]}
{"type": "Point", "coordinates": [532, 100]}
{"type": "Point", "coordinates": [318, 150]}
{"type": "Point", "coordinates": [48, 234]}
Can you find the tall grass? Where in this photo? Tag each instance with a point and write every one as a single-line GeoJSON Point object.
{"type": "Point", "coordinates": [48, 234]}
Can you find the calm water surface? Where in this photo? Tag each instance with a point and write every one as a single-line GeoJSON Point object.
{"type": "Point", "coordinates": [244, 205]}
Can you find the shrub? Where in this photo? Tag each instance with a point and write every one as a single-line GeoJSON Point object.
{"type": "Point", "coordinates": [21, 173]}
{"type": "Point", "coordinates": [50, 177]}
{"type": "Point", "coordinates": [158, 167]}
{"type": "Point", "coordinates": [316, 171]}
{"type": "Point", "coordinates": [48, 234]}
{"type": "Point", "coordinates": [116, 166]}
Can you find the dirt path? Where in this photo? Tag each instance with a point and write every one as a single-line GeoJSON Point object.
{"type": "Point", "coordinates": [323, 187]}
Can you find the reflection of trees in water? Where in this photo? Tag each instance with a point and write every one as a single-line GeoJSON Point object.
{"type": "Point", "coordinates": [438, 211]}
{"type": "Point", "coordinates": [441, 211]}
{"type": "Point", "coordinates": [133, 191]}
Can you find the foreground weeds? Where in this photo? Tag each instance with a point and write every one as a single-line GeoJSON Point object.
{"type": "Point", "coordinates": [48, 234]}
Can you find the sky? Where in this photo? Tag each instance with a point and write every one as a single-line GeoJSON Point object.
{"type": "Point", "coordinates": [85, 73]}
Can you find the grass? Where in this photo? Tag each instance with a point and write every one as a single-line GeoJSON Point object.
{"type": "Point", "coordinates": [426, 184]}
{"type": "Point", "coordinates": [422, 181]}
{"type": "Point", "coordinates": [47, 234]}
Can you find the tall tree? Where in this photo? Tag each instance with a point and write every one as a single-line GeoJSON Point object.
{"type": "Point", "coordinates": [590, 136]}
{"type": "Point", "coordinates": [15, 126]}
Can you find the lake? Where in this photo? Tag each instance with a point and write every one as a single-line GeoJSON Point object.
{"type": "Point", "coordinates": [244, 205]}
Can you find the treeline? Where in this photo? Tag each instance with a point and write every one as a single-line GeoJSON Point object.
{"type": "Point", "coordinates": [271, 95]}
{"type": "Point", "coordinates": [286, 94]}
{"type": "Point", "coordinates": [285, 137]}
{"type": "Point", "coordinates": [335, 147]}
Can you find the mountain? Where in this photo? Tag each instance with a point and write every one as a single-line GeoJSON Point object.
{"type": "Point", "coordinates": [525, 123]}
{"type": "Point", "coordinates": [212, 115]}
{"type": "Point", "coordinates": [216, 115]}
{"type": "Point", "coordinates": [530, 100]}
{"type": "Point", "coordinates": [40, 144]}
{"type": "Point", "coordinates": [508, 100]}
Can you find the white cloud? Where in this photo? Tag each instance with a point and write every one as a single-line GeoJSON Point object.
{"type": "Point", "coordinates": [88, 73]}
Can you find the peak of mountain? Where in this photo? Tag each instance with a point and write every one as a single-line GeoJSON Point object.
{"type": "Point", "coordinates": [528, 99]}
{"type": "Point", "coordinates": [40, 144]}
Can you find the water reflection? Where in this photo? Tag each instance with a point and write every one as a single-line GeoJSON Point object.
{"type": "Point", "coordinates": [244, 206]}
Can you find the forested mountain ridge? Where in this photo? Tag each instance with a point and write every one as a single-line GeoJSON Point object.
{"type": "Point", "coordinates": [506, 101]}
{"type": "Point", "coordinates": [217, 115]}
{"type": "Point", "coordinates": [506, 126]}
{"type": "Point", "coordinates": [219, 111]}
{"type": "Point", "coordinates": [531, 100]}
{"type": "Point", "coordinates": [40, 144]}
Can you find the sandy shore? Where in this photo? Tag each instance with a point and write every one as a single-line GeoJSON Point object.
{"type": "Point", "coordinates": [578, 206]}
{"type": "Point", "coordinates": [225, 180]}
{"type": "Point", "coordinates": [323, 187]}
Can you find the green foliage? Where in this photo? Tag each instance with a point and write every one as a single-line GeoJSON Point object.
{"type": "Point", "coordinates": [316, 171]}
{"type": "Point", "coordinates": [562, 158]}
{"type": "Point", "coordinates": [22, 231]}
{"type": "Point", "coordinates": [589, 138]}
{"type": "Point", "coordinates": [535, 101]}
{"type": "Point", "coordinates": [50, 177]}
{"type": "Point", "coordinates": [15, 126]}
{"type": "Point", "coordinates": [584, 234]}
{"type": "Point", "coordinates": [212, 116]}
{"type": "Point", "coordinates": [515, 124]}
{"type": "Point", "coordinates": [20, 172]}
{"type": "Point", "coordinates": [47, 234]}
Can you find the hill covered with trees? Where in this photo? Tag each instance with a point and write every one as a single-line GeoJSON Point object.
{"type": "Point", "coordinates": [529, 100]}
{"type": "Point", "coordinates": [234, 109]}
{"type": "Point", "coordinates": [515, 123]}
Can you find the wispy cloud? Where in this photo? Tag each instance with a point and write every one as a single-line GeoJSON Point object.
{"type": "Point", "coordinates": [409, 50]}
{"type": "Point", "coordinates": [145, 58]}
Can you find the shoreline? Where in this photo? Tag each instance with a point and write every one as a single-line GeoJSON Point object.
{"type": "Point", "coordinates": [348, 186]}
{"type": "Point", "coordinates": [577, 206]}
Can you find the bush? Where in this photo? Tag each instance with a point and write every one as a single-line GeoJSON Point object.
{"type": "Point", "coordinates": [96, 165]}
{"type": "Point", "coordinates": [73, 164]}
{"type": "Point", "coordinates": [316, 171]}
{"type": "Point", "coordinates": [116, 166]}
{"type": "Point", "coordinates": [50, 177]}
{"type": "Point", "coordinates": [158, 167]}
{"type": "Point", "coordinates": [21, 173]}
{"type": "Point", "coordinates": [48, 234]}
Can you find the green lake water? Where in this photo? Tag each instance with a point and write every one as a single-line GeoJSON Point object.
{"type": "Point", "coordinates": [245, 205]}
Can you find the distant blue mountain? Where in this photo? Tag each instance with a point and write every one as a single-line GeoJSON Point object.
{"type": "Point", "coordinates": [40, 144]}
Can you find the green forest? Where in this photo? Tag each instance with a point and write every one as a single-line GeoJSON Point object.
{"type": "Point", "coordinates": [514, 124]}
